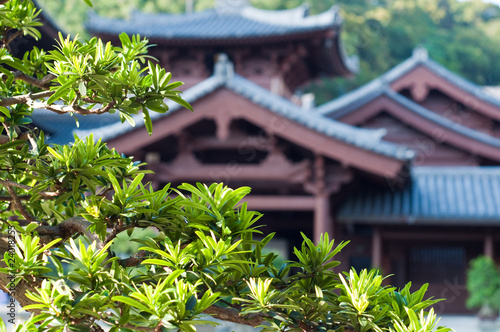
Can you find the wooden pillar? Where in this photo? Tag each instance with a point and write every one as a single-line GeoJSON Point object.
{"type": "Point", "coordinates": [488, 245]}
{"type": "Point", "coordinates": [376, 248]}
{"type": "Point", "coordinates": [322, 221]}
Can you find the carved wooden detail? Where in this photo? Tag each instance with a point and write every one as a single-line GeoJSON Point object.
{"type": "Point", "coordinates": [223, 120]}
{"type": "Point", "coordinates": [275, 167]}
{"type": "Point", "coordinates": [326, 182]}
{"type": "Point", "coordinates": [236, 142]}
{"type": "Point", "coordinates": [419, 91]}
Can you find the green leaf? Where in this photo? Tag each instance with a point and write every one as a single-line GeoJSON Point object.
{"type": "Point", "coordinates": [153, 261]}
{"type": "Point", "coordinates": [82, 88]}
{"type": "Point", "coordinates": [131, 302]}
{"type": "Point", "coordinates": [147, 120]}
{"type": "Point", "coordinates": [124, 116]}
{"type": "Point", "coordinates": [2, 326]}
{"type": "Point", "coordinates": [5, 111]}
{"type": "Point", "coordinates": [61, 91]}
{"type": "Point", "coordinates": [181, 102]}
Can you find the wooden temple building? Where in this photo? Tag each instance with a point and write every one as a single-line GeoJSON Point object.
{"type": "Point", "coordinates": [404, 167]}
{"type": "Point", "coordinates": [449, 211]}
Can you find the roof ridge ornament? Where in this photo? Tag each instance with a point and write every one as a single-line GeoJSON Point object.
{"type": "Point", "coordinates": [420, 53]}
{"type": "Point", "coordinates": [230, 6]}
{"type": "Point", "coordinates": [223, 68]}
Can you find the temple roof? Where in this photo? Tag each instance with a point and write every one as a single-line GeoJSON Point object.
{"type": "Point", "coordinates": [379, 88]}
{"type": "Point", "coordinates": [229, 26]}
{"type": "Point", "coordinates": [420, 58]}
{"type": "Point", "coordinates": [218, 23]}
{"type": "Point", "coordinates": [224, 76]}
{"type": "Point", "coordinates": [436, 195]}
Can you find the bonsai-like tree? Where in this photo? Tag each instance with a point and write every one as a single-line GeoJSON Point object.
{"type": "Point", "coordinates": [62, 207]}
{"type": "Point", "coordinates": [483, 284]}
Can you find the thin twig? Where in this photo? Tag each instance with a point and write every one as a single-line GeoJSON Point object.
{"type": "Point", "coordinates": [133, 260]}
{"type": "Point", "coordinates": [15, 184]}
{"type": "Point", "coordinates": [32, 140]}
{"type": "Point", "coordinates": [117, 230]}
{"type": "Point", "coordinates": [43, 194]}
{"type": "Point", "coordinates": [15, 35]}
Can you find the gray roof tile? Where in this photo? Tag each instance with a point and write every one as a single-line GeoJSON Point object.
{"type": "Point", "coordinates": [435, 195]}
{"type": "Point", "coordinates": [217, 23]}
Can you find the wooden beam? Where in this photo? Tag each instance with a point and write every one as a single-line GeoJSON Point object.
{"type": "Point", "coordinates": [280, 203]}
{"type": "Point", "coordinates": [412, 235]}
{"type": "Point", "coordinates": [322, 220]}
{"type": "Point", "coordinates": [276, 167]}
{"type": "Point", "coordinates": [489, 245]}
{"type": "Point", "coordinates": [376, 248]}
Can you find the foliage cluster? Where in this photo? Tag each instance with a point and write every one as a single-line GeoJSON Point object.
{"type": "Point", "coordinates": [483, 285]}
{"type": "Point", "coordinates": [66, 204]}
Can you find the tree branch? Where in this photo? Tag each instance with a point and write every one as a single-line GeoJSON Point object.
{"type": "Point", "coordinates": [5, 139]}
{"type": "Point", "coordinates": [24, 99]}
{"type": "Point", "coordinates": [43, 194]}
{"type": "Point", "coordinates": [15, 184]}
{"type": "Point", "coordinates": [68, 228]}
{"type": "Point", "coordinates": [233, 316]}
{"type": "Point", "coordinates": [62, 109]}
{"type": "Point", "coordinates": [42, 83]}
{"type": "Point", "coordinates": [15, 35]}
{"type": "Point", "coordinates": [10, 199]}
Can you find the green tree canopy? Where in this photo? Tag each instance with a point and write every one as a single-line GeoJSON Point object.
{"type": "Point", "coordinates": [63, 206]}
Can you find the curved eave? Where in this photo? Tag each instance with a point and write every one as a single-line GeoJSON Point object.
{"type": "Point", "coordinates": [419, 220]}
{"type": "Point", "coordinates": [335, 59]}
{"type": "Point", "coordinates": [330, 57]}
{"type": "Point", "coordinates": [232, 40]}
